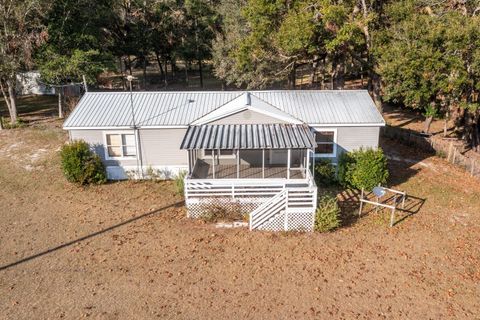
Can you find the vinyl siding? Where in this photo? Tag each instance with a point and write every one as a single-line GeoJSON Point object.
{"type": "Point", "coordinates": [352, 138]}
{"type": "Point", "coordinates": [247, 117]}
{"type": "Point", "coordinates": [159, 147]}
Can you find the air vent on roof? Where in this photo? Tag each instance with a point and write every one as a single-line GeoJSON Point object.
{"type": "Point", "coordinates": [247, 98]}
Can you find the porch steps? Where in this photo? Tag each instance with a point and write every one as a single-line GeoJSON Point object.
{"type": "Point", "coordinates": [269, 210]}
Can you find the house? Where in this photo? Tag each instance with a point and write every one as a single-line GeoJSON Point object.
{"type": "Point", "coordinates": [242, 150]}
{"type": "Point", "coordinates": [30, 83]}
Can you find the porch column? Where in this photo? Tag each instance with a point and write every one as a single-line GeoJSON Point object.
{"type": "Point", "coordinates": [307, 167]}
{"type": "Point", "coordinates": [263, 163]}
{"type": "Point", "coordinates": [213, 163]}
{"type": "Point", "coordinates": [289, 153]}
{"type": "Point", "coordinates": [313, 164]}
{"type": "Point", "coordinates": [238, 163]}
{"type": "Point", "coordinates": [190, 162]}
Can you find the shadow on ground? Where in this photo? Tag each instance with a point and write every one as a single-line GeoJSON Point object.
{"type": "Point", "coordinates": [92, 235]}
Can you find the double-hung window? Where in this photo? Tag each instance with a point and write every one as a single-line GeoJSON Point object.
{"type": "Point", "coordinates": [326, 143]}
{"type": "Point", "coordinates": [121, 145]}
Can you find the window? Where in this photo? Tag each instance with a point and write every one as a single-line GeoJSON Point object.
{"type": "Point", "coordinates": [326, 143]}
{"type": "Point", "coordinates": [121, 145]}
{"type": "Point", "coordinates": [222, 153]}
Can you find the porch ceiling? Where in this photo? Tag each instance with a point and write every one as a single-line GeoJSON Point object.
{"type": "Point", "coordinates": [249, 136]}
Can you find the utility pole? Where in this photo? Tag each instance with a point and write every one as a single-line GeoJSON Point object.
{"type": "Point", "coordinates": [85, 83]}
{"type": "Point", "coordinates": [130, 78]}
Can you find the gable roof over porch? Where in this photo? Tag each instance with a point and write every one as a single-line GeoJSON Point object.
{"type": "Point", "coordinates": [249, 136]}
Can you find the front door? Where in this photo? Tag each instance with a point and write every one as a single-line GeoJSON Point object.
{"type": "Point", "coordinates": [278, 156]}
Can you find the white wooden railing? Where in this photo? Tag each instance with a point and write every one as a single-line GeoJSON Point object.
{"type": "Point", "coordinates": [268, 210]}
{"type": "Point", "coordinates": [287, 204]}
{"type": "Point", "coordinates": [293, 199]}
{"type": "Point", "coordinates": [204, 188]}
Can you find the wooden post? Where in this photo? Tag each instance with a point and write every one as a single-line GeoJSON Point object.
{"type": "Point", "coordinates": [449, 151]}
{"type": "Point", "coordinates": [213, 163]}
{"type": "Point", "coordinates": [361, 204]}
{"type": "Point", "coordinates": [263, 163]}
{"type": "Point", "coordinates": [288, 163]}
{"type": "Point", "coordinates": [307, 167]}
{"type": "Point", "coordinates": [286, 211]}
{"type": "Point", "coordinates": [392, 217]}
{"type": "Point", "coordinates": [238, 163]}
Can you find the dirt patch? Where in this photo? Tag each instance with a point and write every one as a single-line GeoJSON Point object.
{"type": "Point", "coordinates": [127, 251]}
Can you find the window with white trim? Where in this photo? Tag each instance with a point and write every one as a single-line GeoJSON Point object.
{"type": "Point", "coordinates": [121, 145]}
{"type": "Point", "coordinates": [325, 143]}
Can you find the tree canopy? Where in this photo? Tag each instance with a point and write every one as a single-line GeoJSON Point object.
{"type": "Point", "coordinates": [419, 54]}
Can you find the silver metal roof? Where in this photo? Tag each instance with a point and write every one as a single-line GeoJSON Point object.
{"type": "Point", "coordinates": [153, 109]}
{"type": "Point", "coordinates": [249, 136]}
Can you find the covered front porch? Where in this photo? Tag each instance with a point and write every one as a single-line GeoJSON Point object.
{"type": "Point", "coordinates": [274, 151]}
{"type": "Point", "coordinates": [262, 171]}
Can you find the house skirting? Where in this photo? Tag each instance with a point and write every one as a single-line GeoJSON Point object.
{"type": "Point", "coordinates": [286, 220]}
{"type": "Point", "coordinates": [131, 172]}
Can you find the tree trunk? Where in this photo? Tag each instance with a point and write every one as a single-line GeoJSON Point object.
{"type": "Point", "coordinates": [129, 62]}
{"type": "Point", "coordinates": [186, 73]}
{"type": "Point", "coordinates": [122, 70]}
{"type": "Point", "coordinates": [338, 75]}
{"type": "Point", "coordinates": [13, 101]}
{"type": "Point", "coordinates": [60, 102]}
{"type": "Point", "coordinates": [200, 70]}
{"type": "Point", "coordinates": [427, 124]}
{"type": "Point", "coordinates": [375, 87]}
{"type": "Point", "coordinates": [163, 73]}
{"type": "Point", "coordinates": [172, 63]}
{"type": "Point", "coordinates": [374, 81]}
{"type": "Point", "coordinates": [292, 77]}
{"type": "Point", "coordinates": [145, 73]}
{"type": "Point", "coordinates": [314, 70]}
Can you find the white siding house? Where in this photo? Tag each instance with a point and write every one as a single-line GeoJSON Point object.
{"type": "Point", "coordinates": [228, 142]}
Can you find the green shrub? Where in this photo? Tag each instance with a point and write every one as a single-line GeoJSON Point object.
{"type": "Point", "coordinates": [327, 216]}
{"type": "Point", "coordinates": [325, 173]}
{"type": "Point", "coordinates": [363, 168]}
{"type": "Point", "coordinates": [81, 165]}
{"type": "Point", "coordinates": [180, 182]}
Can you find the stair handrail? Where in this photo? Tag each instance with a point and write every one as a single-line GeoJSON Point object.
{"type": "Point", "coordinates": [262, 213]}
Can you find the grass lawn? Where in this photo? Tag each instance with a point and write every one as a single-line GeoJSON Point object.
{"type": "Point", "coordinates": [127, 251]}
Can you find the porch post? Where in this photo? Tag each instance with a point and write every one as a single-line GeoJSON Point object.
{"type": "Point", "coordinates": [263, 163]}
{"type": "Point", "coordinates": [289, 153]}
{"type": "Point", "coordinates": [189, 162]}
{"type": "Point", "coordinates": [213, 163]}
{"type": "Point", "coordinates": [307, 167]}
{"type": "Point", "coordinates": [238, 163]}
{"type": "Point", "coordinates": [313, 165]}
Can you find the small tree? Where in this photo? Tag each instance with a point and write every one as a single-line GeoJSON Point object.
{"type": "Point", "coordinates": [80, 165]}
{"type": "Point", "coordinates": [363, 168]}
{"type": "Point", "coordinates": [327, 216]}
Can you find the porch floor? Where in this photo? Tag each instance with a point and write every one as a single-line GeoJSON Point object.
{"type": "Point", "coordinates": [204, 170]}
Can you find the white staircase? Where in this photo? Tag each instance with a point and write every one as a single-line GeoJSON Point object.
{"type": "Point", "coordinates": [290, 209]}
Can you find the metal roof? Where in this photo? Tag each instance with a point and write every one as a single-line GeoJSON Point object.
{"type": "Point", "coordinates": [154, 109]}
{"type": "Point", "coordinates": [249, 136]}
